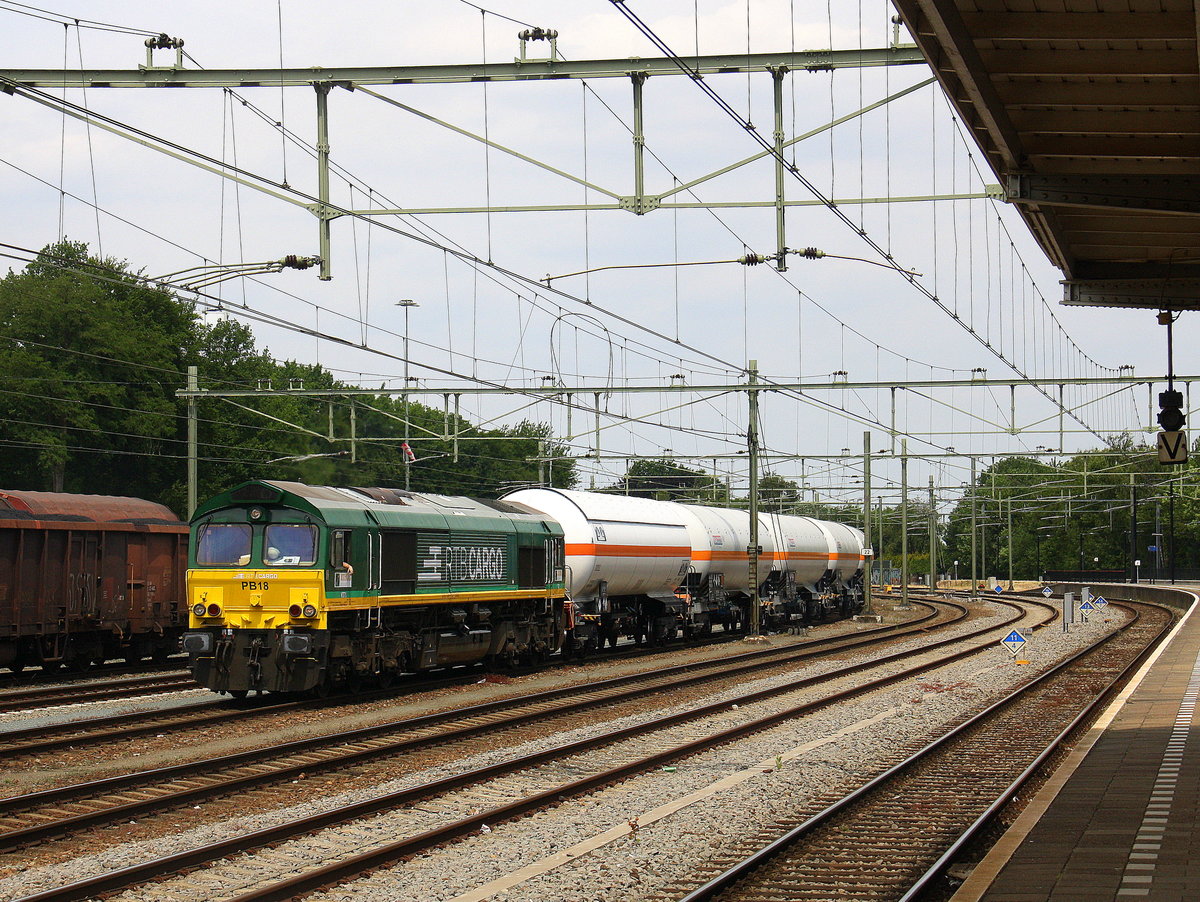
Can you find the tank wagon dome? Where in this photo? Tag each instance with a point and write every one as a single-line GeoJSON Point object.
{"type": "Point", "coordinates": [92, 508]}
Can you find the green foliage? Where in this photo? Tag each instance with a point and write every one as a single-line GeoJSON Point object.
{"type": "Point", "coordinates": [665, 480]}
{"type": "Point", "coordinates": [777, 494]}
{"type": "Point", "coordinates": [1075, 513]}
{"type": "Point", "coordinates": [91, 360]}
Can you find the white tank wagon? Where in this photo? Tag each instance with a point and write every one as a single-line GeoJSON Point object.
{"type": "Point", "coordinates": [808, 569]}
{"type": "Point", "coordinates": [625, 559]}
{"type": "Point", "coordinates": [650, 568]}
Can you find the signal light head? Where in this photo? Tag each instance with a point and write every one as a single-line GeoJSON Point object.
{"type": "Point", "coordinates": [1170, 414]}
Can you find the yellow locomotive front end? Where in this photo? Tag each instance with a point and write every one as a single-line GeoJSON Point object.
{"type": "Point", "coordinates": [257, 605]}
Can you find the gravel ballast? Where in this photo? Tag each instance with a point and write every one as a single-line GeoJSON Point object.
{"type": "Point", "coordinates": [759, 779]}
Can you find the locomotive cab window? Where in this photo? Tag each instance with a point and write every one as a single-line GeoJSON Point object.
{"type": "Point", "coordinates": [289, 544]}
{"type": "Point", "coordinates": [339, 558]}
{"type": "Point", "coordinates": [223, 543]}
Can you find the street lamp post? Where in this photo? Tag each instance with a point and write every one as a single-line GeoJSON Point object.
{"type": "Point", "coordinates": [407, 304]}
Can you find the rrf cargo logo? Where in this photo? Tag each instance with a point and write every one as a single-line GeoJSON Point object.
{"type": "Point", "coordinates": [463, 562]}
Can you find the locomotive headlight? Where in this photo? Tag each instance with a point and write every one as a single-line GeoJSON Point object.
{"type": "Point", "coordinates": [214, 610]}
{"type": "Point", "coordinates": [294, 612]}
{"type": "Point", "coordinates": [310, 610]}
{"type": "Point", "coordinates": [198, 609]}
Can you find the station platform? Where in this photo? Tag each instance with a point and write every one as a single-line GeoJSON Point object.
{"type": "Point", "coordinates": [1120, 818]}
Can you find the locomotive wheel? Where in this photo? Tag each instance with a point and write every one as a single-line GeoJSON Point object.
{"type": "Point", "coordinates": [323, 687]}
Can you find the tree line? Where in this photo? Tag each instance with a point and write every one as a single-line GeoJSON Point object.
{"type": "Point", "coordinates": [91, 358]}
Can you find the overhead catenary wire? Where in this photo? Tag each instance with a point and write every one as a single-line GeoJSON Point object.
{"type": "Point", "coordinates": [477, 7]}
{"type": "Point", "coordinates": [698, 79]}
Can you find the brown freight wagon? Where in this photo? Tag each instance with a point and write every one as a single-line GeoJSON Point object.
{"type": "Point", "coordinates": [87, 578]}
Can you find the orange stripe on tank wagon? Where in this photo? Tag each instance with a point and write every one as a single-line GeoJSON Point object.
{"type": "Point", "coordinates": [630, 550]}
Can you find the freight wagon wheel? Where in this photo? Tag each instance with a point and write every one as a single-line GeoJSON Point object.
{"type": "Point", "coordinates": [238, 694]}
{"type": "Point", "coordinates": [386, 679]}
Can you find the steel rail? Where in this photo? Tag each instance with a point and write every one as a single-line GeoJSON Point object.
{"type": "Point", "coordinates": [36, 740]}
{"type": "Point", "coordinates": [147, 871]}
{"type": "Point", "coordinates": [939, 867]}
{"type": "Point", "coordinates": [675, 677]}
{"type": "Point", "coordinates": [744, 869]}
{"type": "Point", "coordinates": [52, 737]}
{"type": "Point", "coordinates": [27, 699]}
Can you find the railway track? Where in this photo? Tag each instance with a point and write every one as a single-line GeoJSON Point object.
{"type": "Point", "coordinates": [115, 728]}
{"type": "Point", "coordinates": [894, 837]}
{"type": "Point", "coordinates": [33, 677]}
{"type": "Point", "coordinates": [480, 784]}
{"type": "Point", "coordinates": [105, 690]}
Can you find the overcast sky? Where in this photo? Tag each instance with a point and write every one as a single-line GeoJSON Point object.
{"type": "Point", "coordinates": [821, 318]}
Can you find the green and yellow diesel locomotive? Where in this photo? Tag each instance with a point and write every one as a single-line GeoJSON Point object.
{"type": "Point", "coordinates": [296, 588]}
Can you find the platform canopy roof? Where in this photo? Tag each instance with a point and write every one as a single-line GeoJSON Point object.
{"type": "Point", "coordinates": [1089, 113]}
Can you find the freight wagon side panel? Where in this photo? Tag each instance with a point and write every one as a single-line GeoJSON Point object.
{"type": "Point", "coordinates": [11, 613]}
{"type": "Point", "coordinates": [166, 554]}
{"type": "Point", "coordinates": [113, 578]}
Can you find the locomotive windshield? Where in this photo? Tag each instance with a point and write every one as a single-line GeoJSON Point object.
{"type": "Point", "coordinates": [289, 544]}
{"type": "Point", "coordinates": [223, 543]}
